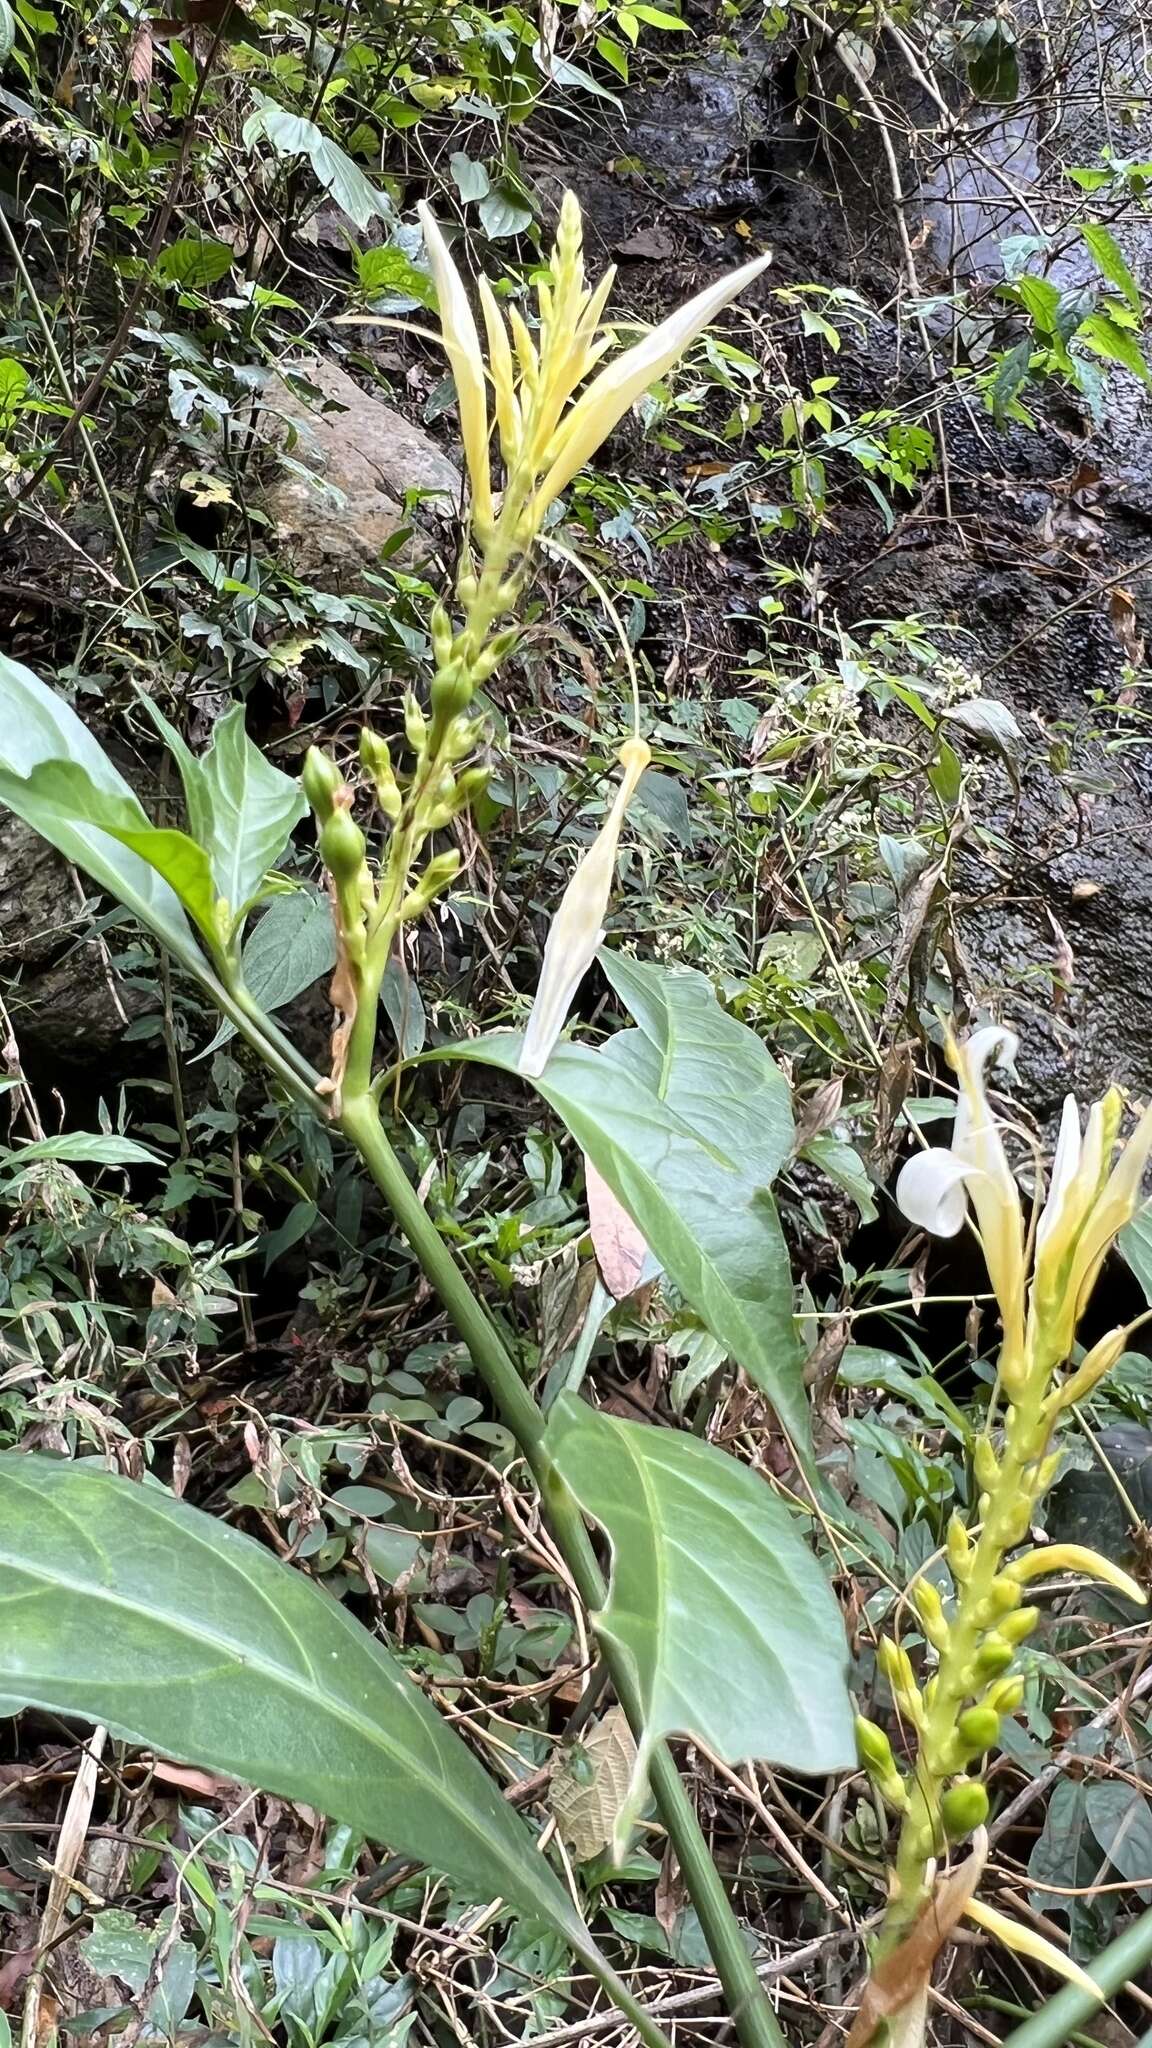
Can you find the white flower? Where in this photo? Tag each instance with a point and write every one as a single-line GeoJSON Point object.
{"type": "Point", "coordinates": [462, 347]}
{"type": "Point", "coordinates": [577, 929]}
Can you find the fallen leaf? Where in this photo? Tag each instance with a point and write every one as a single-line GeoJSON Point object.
{"type": "Point", "coordinates": [590, 1784]}
{"type": "Point", "coordinates": [619, 1246]}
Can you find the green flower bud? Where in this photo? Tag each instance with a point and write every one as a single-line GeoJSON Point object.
{"type": "Point", "coordinates": [467, 589]}
{"type": "Point", "coordinates": [994, 1656]}
{"type": "Point", "coordinates": [461, 737]}
{"type": "Point", "coordinates": [930, 1608]}
{"type": "Point", "coordinates": [1003, 1595]}
{"type": "Point", "coordinates": [440, 871]}
{"type": "Point", "coordinates": [320, 779]}
{"type": "Point", "coordinates": [875, 1753]}
{"type": "Point", "coordinates": [1014, 1627]}
{"type": "Point", "coordinates": [986, 1466]}
{"type": "Point", "coordinates": [964, 1808]}
{"type": "Point", "coordinates": [1006, 1696]}
{"type": "Point", "coordinates": [415, 723]}
{"type": "Point", "coordinates": [979, 1730]}
{"type": "Point", "coordinates": [959, 1550]}
{"type": "Point", "coordinates": [496, 653]}
{"type": "Point", "coordinates": [342, 846]}
{"type": "Point", "coordinates": [442, 635]}
{"type": "Point", "coordinates": [451, 691]}
{"type": "Point", "coordinates": [376, 760]}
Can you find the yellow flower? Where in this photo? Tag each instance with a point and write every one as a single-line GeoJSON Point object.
{"type": "Point", "coordinates": [462, 346]}
{"type": "Point", "coordinates": [935, 1188]}
{"type": "Point", "coordinates": [1089, 1201]}
{"type": "Point", "coordinates": [625, 379]}
{"type": "Point", "coordinates": [578, 926]}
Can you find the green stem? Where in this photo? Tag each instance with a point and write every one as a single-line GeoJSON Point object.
{"type": "Point", "coordinates": [1122, 1960]}
{"type": "Point", "coordinates": [748, 2003]}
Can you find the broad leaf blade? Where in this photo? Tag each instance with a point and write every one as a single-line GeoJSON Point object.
{"type": "Point", "coordinates": [135, 1610]}
{"type": "Point", "coordinates": [725, 1617]}
{"type": "Point", "coordinates": [37, 726]}
{"type": "Point", "coordinates": [692, 1189]}
{"type": "Point", "coordinates": [291, 946]}
{"type": "Point", "coordinates": [253, 807]}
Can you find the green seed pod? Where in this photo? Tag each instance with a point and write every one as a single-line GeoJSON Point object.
{"type": "Point", "coordinates": [986, 1466]}
{"type": "Point", "coordinates": [929, 1607]}
{"type": "Point", "coordinates": [320, 779]}
{"type": "Point", "coordinates": [963, 1808]}
{"type": "Point", "coordinates": [441, 629]}
{"type": "Point", "coordinates": [994, 1656]}
{"type": "Point", "coordinates": [1014, 1627]}
{"type": "Point", "coordinates": [979, 1730]}
{"type": "Point", "coordinates": [342, 846]}
{"type": "Point", "coordinates": [1006, 1696]}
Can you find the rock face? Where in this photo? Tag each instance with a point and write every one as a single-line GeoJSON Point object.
{"type": "Point", "coordinates": [347, 460]}
{"type": "Point", "coordinates": [60, 994]}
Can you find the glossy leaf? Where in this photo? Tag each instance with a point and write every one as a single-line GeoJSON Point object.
{"type": "Point", "coordinates": [80, 1148]}
{"type": "Point", "coordinates": [342, 178]}
{"type": "Point", "coordinates": [127, 1607]}
{"type": "Point", "coordinates": [291, 945]}
{"type": "Point", "coordinates": [717, 1603]}
{"type": "Point", "coordinates": [37, 726]}
{"type": "Point", "coordinates": [686, 1120]}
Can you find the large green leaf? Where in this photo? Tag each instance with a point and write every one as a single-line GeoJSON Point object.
{"type": "Point", "coordinates": [725, 1617]}
{"type": "Point", "coordinates": [253, 807]}
{"type": "Point", "coordinates": [36, 727]}
{"type": "Point", "coordinates": [69, 790]}
{"type": "Point", "coordinates": [684, 1118]}
{"type": "Point", "coordinates": [127, 1607]}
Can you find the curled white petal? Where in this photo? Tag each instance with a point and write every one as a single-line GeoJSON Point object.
{"type": "Point", "coordinates": [931, 1191]}
{"type": "Point", "coordinates": [577, 929]}
{"type": "Point", "coordinates": [1065, 1168]}
{"type": "Point", "coordinates": [462, 347]}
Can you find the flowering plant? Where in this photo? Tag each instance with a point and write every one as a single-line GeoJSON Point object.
{"type": "Point", "coordinates": [1043, 1269]}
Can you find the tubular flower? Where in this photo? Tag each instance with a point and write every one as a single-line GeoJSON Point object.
{"type": "Point", "coordinates": [1090, 1200]}
{"type": "Point", "coordinates": [578, 926]}
{"type": "Point", "coordinates": [545, 435]}
{"type": "Point", "coordinates": [935, 1188]}
{"type": "Point", "coordinates": [462, 345]}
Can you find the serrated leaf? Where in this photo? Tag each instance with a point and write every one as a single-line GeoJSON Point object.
{"type": "Point", "coordinates": [1109, 261]}
{"type": "Point", "coordinates": [130, 1608]}
{"type": "Point", "coordinates": [36, 727]}
{"type": "Point", "coordinates": [1105, 337]}
{"type": "Point", "coordinates": [715, 1601]}
{"type": "Point", "coordinates": [687, 1119]}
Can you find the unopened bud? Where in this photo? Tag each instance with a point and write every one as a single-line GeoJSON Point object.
{"type": "Point", "coordinates": [320, 779]}
{"type": "Point", "coordinates": [1099, 1360]}
{"type": "Point", "coordinates": [1006, 1696]}
{"type": "Point", "coordinates": [930, 1608]}
{"type": "Point", "coordinates": [492, 656]}
{"type": "Point", "coordinates": [451, 691]}
{"type": "Point", "coordinates": [963, 1809]}
{"type": "Point", "coordinates": [979, 1730]}
{"type": "Point", "coordinates": [875, 1753]}
{"type": "Point", "coordinates": [376, 760]}
{"type": "Point", "coordinates": [415, 723]}
{"type": "Point", "coordinates": [994, 1656]}
{"type": "Point", "coordinates": [442, 636]}
{"type": "Point", "coordinates": [342, 846]}
{"type": "Point", "coordinates": [986, 1465]}
{"type": "Point", "coordinates": [959, 1547]}
{"type": "Point", "coordinates": [1014, 1627]}
{"type": "Point", "coordinates": [440, 871]}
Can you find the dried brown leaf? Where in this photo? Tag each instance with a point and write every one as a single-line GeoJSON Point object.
{"type": "Point", "coordinates": [619, 1246]}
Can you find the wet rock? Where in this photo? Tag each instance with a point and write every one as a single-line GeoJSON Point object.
{"type": "Point", "coordinates": [347, 460]}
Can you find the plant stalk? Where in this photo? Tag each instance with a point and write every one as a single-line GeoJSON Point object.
{"type": "Point", "coordinates": [748, 2003]}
